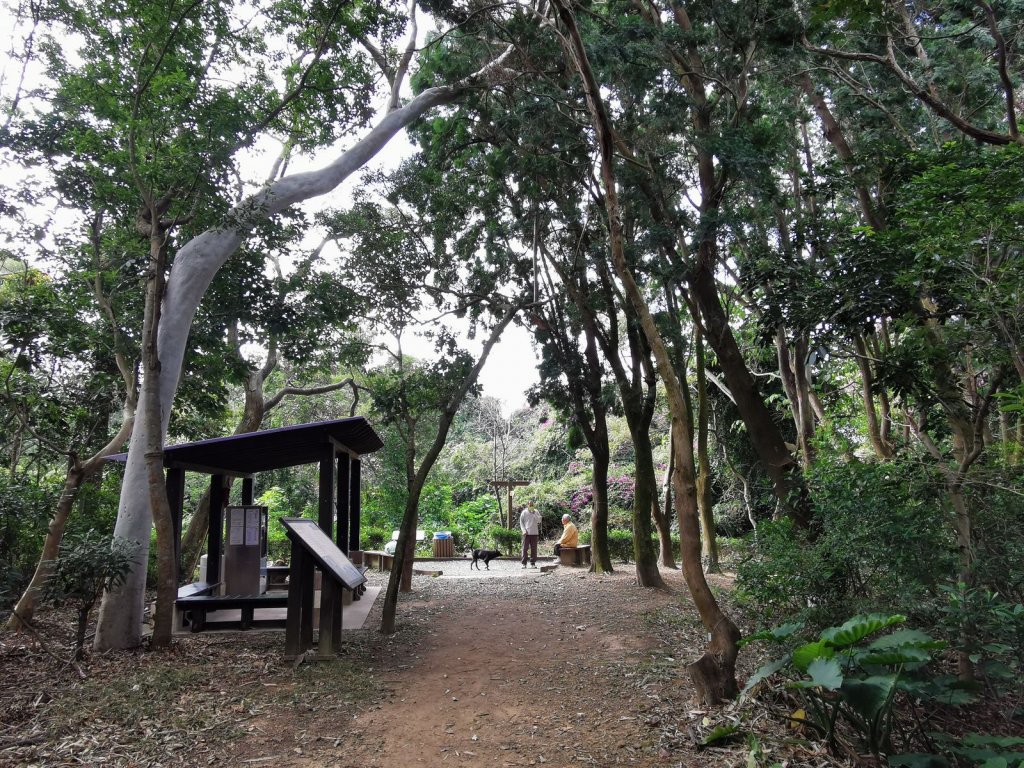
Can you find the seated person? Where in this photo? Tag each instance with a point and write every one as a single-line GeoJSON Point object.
{"type": "Point", "coordinates": [570, 536]}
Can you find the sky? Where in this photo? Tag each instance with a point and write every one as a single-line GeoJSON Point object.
{"type": "Point", "coordinates": [511, 368]}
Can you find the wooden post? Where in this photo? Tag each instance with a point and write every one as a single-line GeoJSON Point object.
{"type": "Point", "coordinates": [294, 622]}
{"type": "Point", "coordinates": [326, 511]}
{"type": "Point", "coordinates": [330, 614]}
{"type": "Point", "coordinates": [355, 504]}
{"type": "Point", "coordinates": [215, 534]}
{"type": "Point", "coordinates": [344, 480]}
{"type": "Point", "coordinates": [176, 501]}
{"type": "Point", "coordinates": [247, 491]}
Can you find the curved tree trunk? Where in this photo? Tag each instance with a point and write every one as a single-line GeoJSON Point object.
{"type": "Point", "coordinates": [401, 569]}
{"type": "Point", "coordinates": [764, 434]}
{"type": "Point", "coordinates": [195, 265]}
{"type": "Point", "coordinates": [714, 674]}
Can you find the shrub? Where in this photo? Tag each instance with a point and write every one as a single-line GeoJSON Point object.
{"type": "Point", "coordinates": [373, 537]}
{"type": "Point", "coordinates": [508, 540]}
{"type": "Point", "coordinates": [881, 540]}
{"type": "Point", "coordinates": [843, 679]}
{"type": "Point", "coordinates": [620, 544]}
{"type": "Point", "coordinates": [87, 564]}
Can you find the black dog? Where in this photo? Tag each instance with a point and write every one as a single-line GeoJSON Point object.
{"type": "Point", "coordinates": [486, 555]}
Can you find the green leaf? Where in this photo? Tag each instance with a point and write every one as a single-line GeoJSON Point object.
{"type": "Point", "coordinates": [868, 697]}
{"type": "Point", "coordinates": [805, 654]}
{"type": "Point", "coordinates": [889, 657]}
{"type": "Point", "coordinates": [859, 627]}
{"type": "Point", "coordinates": [776, 635]}
{"type": "Point", "coordinates": [826, 673]}
{"type": "Point", "coordinates": [764, 672]}
{"type": "Point", "coordinates": [911, 637]}
{"type": "Point", "coordinates": [720, 733]}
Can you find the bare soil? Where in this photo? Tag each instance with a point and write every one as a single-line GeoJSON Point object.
{"type": "Point", "coordinates": [501, 668]}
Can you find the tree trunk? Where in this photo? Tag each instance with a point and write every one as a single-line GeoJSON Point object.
{"type": "Point", "coordinates": [77, 476]}
{"type": "Point", "coordinates": [644, 499]}
{"type": "Point", "coordinates": [663, 514]}
{"type": "Point", "coordinates": [195, 265]}
{"type": "Point", "coordinates": [167, 583]}
{"type": "Point", "coordinates": [764, 434]}
{"type": "Point", "coordinates": [601, 559]}
{"type": "Point", "coordinates": [715, 674]}
{"type": "Point", "coordinates": [406, 545]}
{"type": "Point", "coordinates": [867, 391]}
{"type": "Point", "coordinates": [709, 541]}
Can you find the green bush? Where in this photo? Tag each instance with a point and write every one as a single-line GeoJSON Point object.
{"type": "Point", "coordinates": [507, 540]}
{"type": "Point", "coordinates": [25, 508]}
{"type": "Point", "coordinates": [881, 539]}
{"type": "Point", "coordinates": [620, 544]}
{"type": "Point", "coordinates": [373, 537]}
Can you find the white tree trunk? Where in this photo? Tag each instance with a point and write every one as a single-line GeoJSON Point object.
{"type": "Point", "coordinates": [196, 264]}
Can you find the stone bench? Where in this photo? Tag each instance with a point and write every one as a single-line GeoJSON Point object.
{"type": "Point", "coordinates": [574, 556]}
{"type": "Point", "coordinates": [375, 559]}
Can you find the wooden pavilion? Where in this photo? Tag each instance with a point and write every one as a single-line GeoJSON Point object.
{"type": "Point", "coordinates": [336, 446]}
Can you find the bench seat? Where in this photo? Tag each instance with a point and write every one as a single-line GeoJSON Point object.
{"type": "Point", "coordinates": [574, 556]}
{"type": "Point", "coordinates": [195, 607]}
{"type": "Point", "coordinates": [382, 561]}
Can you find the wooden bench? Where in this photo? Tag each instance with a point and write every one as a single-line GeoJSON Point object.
{"type": "Point", "coordinates": [196, 600]}
{"type": "Point", "coordinates": [375, 559]}
{"type": "Point", "coordinates": [574, 556]}
{"type": "Point", "coordinates": [195, 607]}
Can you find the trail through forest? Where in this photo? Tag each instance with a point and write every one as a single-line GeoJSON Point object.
{"type": "Point", "coordinates": [501, 668]}
{"type": "Point", "coordinates": [513, 668]}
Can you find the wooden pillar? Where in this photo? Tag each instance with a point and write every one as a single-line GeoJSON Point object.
{"type": "Point", "coordinates": [344, 479]}
{"type": "Point", "coordinates": [296, 620]}
{"type": "Point", "coordinates": [355, 503]}
{"type": "Point", "coordinates": [330, 617]}
{"type": "Point", "coordinates": [247, 491]}
{"type": "Point", "coordinates": [326, 509]}
{"type": "Point", "coordinates": [215, 535]}
{"type": "Point", "coordinates": [176, 500]}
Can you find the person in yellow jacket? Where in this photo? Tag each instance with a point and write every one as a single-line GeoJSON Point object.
{"type": "Point", "coordinates": [570, 536]}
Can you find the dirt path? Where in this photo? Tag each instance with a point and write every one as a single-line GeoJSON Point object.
{"type": "Point", "coordinates": [500, 668]}
{"type": "Point", "coordinates": [561, 668]}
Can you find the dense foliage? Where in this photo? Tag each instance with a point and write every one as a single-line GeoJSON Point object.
{"type": "Point", "coordinates": [775, 247]}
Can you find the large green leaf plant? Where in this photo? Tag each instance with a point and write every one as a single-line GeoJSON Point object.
{"type": "Point", "coordinates": [852, 675]}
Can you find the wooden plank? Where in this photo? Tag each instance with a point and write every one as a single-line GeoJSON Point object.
{"type": "Point", "coordinates": [293, 633]}
{"type": "Point", "coordinates": [323, 551]}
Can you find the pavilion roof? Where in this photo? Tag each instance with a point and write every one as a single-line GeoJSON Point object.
{"type": "Point", "coordinates": [252, 452]}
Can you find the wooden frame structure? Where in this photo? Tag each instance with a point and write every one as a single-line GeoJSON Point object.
{"type": "Point", "coordinates": [337, 446]}
{"type": "Point", "coordinates": [509, 486]}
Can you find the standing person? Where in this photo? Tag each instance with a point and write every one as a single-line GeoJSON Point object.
{"type": "Point", "coordinates": [570, 536]}
{"type": "Point", "coordinates": [529, 523]}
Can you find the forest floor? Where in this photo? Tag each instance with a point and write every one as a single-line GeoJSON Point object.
{"type": "Point", "coordinates": [501, 668]}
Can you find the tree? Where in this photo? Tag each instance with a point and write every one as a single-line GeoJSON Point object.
{"type": "Point", "coordinates": [196, 262]}
{"type": "Point", "coordinates": [714, 674]}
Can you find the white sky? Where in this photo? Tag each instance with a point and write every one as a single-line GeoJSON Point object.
{"type": "Point", "coordinates": [511, 368]}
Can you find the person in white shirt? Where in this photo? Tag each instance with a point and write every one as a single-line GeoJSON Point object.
{"type": "Point", "coordinates": [529, 523]}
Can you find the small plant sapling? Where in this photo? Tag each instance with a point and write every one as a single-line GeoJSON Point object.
{"type": "Point", "coordinates": [87, 564]}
